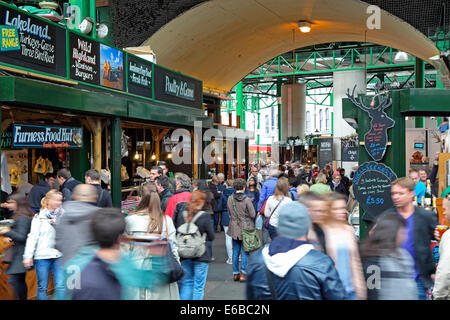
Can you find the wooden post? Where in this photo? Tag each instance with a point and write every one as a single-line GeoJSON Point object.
{"type": "Point", "coordinates": [95, 127]}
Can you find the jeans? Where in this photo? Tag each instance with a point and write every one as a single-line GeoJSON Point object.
{"type": "Point", "coordinates": [216, 221]}
{"type": "Point", "coordinates": [43, 267]}
{"type": "Point", "coordinates": [228, 243]}
{"type": "Point", "coordinates": [209, 243]}
{"type": "Point", "coordinates": [421, 290]}
{"type": "Point", "coordinates": [17, 281]}
{"type": "Point", "coordinates": [272, 232]}
{"type": "Point", "coordinates": [238, 249]}
{"type": "Point", "coordinates": [192, 285]}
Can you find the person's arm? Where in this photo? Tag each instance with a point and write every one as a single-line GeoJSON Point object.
{"type": "Point", "coordinates": [32, 238]}
{"type": "Point", "coordinates": [250, 209]}
{"type": "Point", "coordinates": [331, 285]}
{"type": "Point", "coordinates": [442, 280]}
{"type": "Point", "coordinates": [170, 208]}
{"type": "Point", "coordinates": [262, 197]}
{"type": "Point", "coordinates": [108, 200]}
{"type": "Point", "coordinates": [209, 229]}
{"type": "Point", "coordinates": [20, 232]}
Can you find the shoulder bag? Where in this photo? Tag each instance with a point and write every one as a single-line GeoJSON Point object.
{"type": "Point", "coordinates": [250, 237]}
{"type": "Point", "coordinates": [175, 270]}
{"type": "Point", "coordinates": [266, 223]}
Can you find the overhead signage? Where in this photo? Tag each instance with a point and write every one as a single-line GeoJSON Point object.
{"type": "Point", "coordinates": [140, 77]}
{"type": "Point", "coordinates": [84, 59]}
{"type": "Point", "coordinates": [7, 138]}
{"type": "Point", "coordinates": [375, 141]}
{"type": "Point", "coordinates": [372, 188]}
{"type": "Point", "coordinates": [350, 153]}
{"type": "Point", "coordinates": [25, 135]}
{"type": "Point", "coordinates": [176, 88]}
{"type": "Point", "coordinates": [325, 151]}
{"type": "Point", "coordinates": [35, 47]}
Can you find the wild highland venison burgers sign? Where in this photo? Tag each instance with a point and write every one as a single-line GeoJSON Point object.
{"type": "Point", "coordinates": [376, 139]}
{"type": "Point", "coordinates": [84, 59]}
{"type": "Point", "coordinates": [176, 88]}
{"type": "Point", "coordinates": [372, 188]}
{"type": "Point", "coordinates": [37, 42]}
{"type": "Point", "coordinates": [25, 135]}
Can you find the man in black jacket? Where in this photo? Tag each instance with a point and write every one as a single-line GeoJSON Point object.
{"type": "Point", "coordinates": [92, 177]}
{"type": "Point", "coordinates": [420, 230]}
{"type": "Point", "coordinates": [289, 268]}
{"type": "Point", "coordinates": [40, 190]}
{"type": "Point", "coordinates": [163, 186]}
{"type": "Point", "coordinates": [67, 183]}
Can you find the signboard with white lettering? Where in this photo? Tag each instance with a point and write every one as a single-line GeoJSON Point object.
{"type": "Point", "coordinates": [25, 135]}
{"type": "Point", "coordinates": [325, 151]}
{"type": "Point", "coordinates": [176, 88]}
{"type": "Point", "coordinates": [140, 76]}
{"type": "Point", "coordinates": [37, 38]}
{"type": "Point", "coordinates": [350, 153]}
{"type": "Point", "coordinates": [84, 59]}
{"type": "Point", "coordinates": [372, 188]}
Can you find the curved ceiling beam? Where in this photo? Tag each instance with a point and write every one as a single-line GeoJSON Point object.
{"type": "Point", "coordinates": [222, 41]}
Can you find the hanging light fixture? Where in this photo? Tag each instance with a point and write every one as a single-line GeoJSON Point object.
{"type": "Point", "coordinates": [401, 57]}
{"type": "Point", "coordinates": [304, 26]}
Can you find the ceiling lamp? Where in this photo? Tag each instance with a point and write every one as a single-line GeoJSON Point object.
{"type": "Point", "coordinates": [52, 5]}
{"type": "Point", "coordinates": [401, 57]}
{"type": "Point", "coordinates": [86, 25]}
{"type": "Point", "coordinates": [304, 26]}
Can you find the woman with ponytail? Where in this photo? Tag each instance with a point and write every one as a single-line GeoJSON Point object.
{"type": "Point", "coordinates": [149, 218]}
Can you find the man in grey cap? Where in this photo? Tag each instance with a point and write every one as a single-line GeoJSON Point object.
{"type": "Point", "coordinates": [289, 268]}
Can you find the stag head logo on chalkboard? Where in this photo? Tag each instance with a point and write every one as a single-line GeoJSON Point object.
{"type": "Point", "coordinates": [376, 139]}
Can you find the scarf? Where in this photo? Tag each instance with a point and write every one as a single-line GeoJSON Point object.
{"type": "Point", "coordinates": [52, 215]}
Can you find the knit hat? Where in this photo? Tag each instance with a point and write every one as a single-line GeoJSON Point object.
{"type": "Point", "coordinates": [293, 220]}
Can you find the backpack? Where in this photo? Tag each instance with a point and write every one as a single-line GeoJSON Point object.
{"type": "Point", "coordinates": [291, 195]}
{"type": "Point", "coordinates": [191, 243]}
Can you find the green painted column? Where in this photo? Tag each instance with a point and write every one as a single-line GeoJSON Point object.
{"type": "Point", "coordinates": [240, 102]}
{"type": "Point", "coordinates": [419, 70]}
{"type": "Point", "coordinates": [79, 158]}
{"type": "Point", "coordinates": [116, 162]}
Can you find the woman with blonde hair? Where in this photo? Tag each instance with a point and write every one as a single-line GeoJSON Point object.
{"type": "Point", "coordinates": [342, 246]}
{"type": "Point", "coordinates": [275, 201]}
{"type": "Point", "coordinates": [149, 218]}
{"type": "Point", "coordinates": [41, 246]}
{"type": "Point", "coordinates": [302, 189]}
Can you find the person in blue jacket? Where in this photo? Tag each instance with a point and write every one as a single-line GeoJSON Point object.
{"type": "Point", "coordinates": [225, 221]}
{"type": "Point", "coordinates": [289, 268]}
{"type": "Point", "coordinates": [268, 187]}
{"type": "Point", "coordinates": [252, 191]}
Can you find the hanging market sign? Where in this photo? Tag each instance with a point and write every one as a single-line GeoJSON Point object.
{"type": "Point", "coordinates": [176, 88]}
{"type": "Point", "coordinates": [84, 59]}
{"type": "Point", "coordinates": [7, 138]}
{"type": "Point", "coordinates": [30, 42]}
{"type": "Point", "coordinates": [372, 188]}
{"type": "Point", "coordinates": [325, 151]}
{"type": "Point", "coordinates": [140, 77]}
{"type": "Point", "coordinates": [25, 135]}
{"type": "Point", "coordinates": [375, 141]}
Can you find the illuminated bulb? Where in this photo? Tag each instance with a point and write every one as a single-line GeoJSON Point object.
{"type": "Point", "coordinates": [169, 156]}
{"type": "Point", "coordinates": [153, 157]}
{"type": "Point", "coordinates": [304, 26]}
{"type": "Point", "coordinates": [136, 156]}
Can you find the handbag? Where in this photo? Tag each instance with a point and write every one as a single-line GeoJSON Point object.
{"type": "Point", "coordinates": [41, 166]}
{"type": "Point", "coordinates": [176, 272]}
{"type": "Point", "coordinates": [250, 238]}
{"type": "Point", "coordinates": [266, 223]}
{"type": "Point", "coordinates": [8, 254]}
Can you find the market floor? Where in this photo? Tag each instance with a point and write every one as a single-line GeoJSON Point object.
{"type": "Point", "coordinates": [220, 284]}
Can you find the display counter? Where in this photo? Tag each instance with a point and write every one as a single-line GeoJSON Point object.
{"type": "Point", "coordinates": [6, 292]}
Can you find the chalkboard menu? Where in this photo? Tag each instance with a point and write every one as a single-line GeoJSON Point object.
{"type": "Point", "coordinates": [350, 153]}
{"type": "Point", "coordinates": [325, 151]}
{"type": "Point", "coordinates": [176, 88]}
{"type": "Point", "coordinates": [84, 59]}
{"type": "Point", "coordinates": [140, 77]}
{"type": "Point", "coordinates": [372, 188]}
{"type": "Point", "coordinates": [38, 43]}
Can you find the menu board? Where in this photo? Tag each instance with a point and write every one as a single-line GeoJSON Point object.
{"type": "Point", "coordinates": [84, 59]}
{"type": "Point", "coordinates": [372, 188]}
{"type": "Point", "coordinates": [377, 138]}
{"type": "Point", "coordinates": [37, 47]}
{"type": "Point", "coordinates": [140, 76]}
{"type": "Point", "coordinates": [25, 135]}
{"type": "Point", "coordinates": [175, 88]}
{"type": "Point", "coordinates": [350, 153]}
{"type": "Point", "coordinates": [325, 151]}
